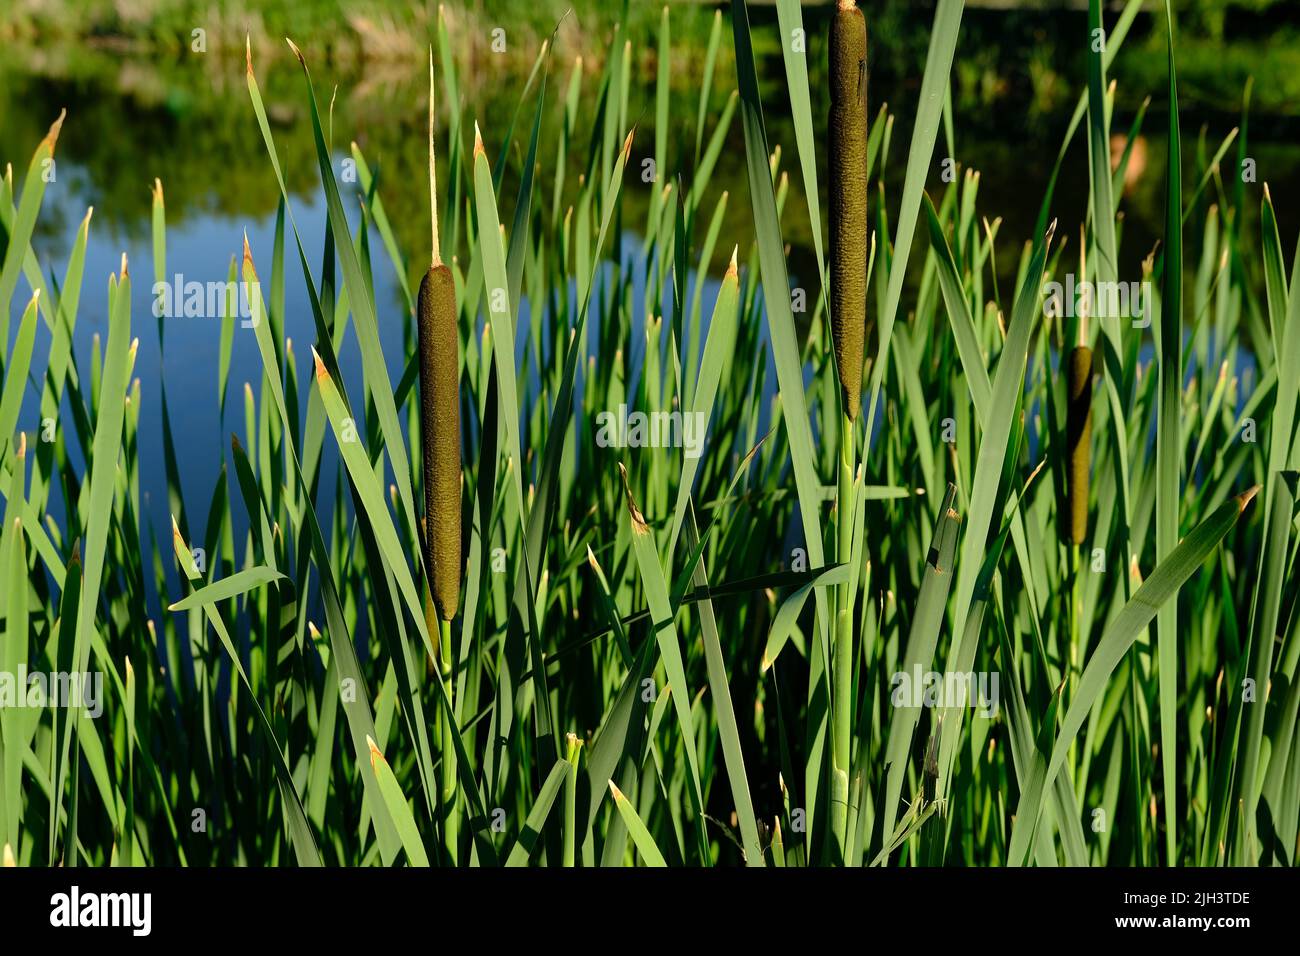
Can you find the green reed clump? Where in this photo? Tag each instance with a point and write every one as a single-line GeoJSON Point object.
{"type": "Point", "coordinates": [653, 666]}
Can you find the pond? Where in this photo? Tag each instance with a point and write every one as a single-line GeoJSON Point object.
{"type": "Point", "coordinates": [135, 113]}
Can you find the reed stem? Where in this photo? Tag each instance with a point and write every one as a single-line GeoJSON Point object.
{"type": "Point", "coordinates": [842, 699]}
{"type": "Point", "coordinates": [451, 825]}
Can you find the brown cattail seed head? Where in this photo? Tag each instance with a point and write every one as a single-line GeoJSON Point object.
{"type": "Point", "coordinates": [1079, 439]}
{"type": "Point", "coordinates": [848, 207]}
{"type": "Point", "coordinates": [439, 346]}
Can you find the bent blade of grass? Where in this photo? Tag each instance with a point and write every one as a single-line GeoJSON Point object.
{"type": "Point", "coordinates": [241, 582]}
{"type": "Point", "coordinates": [661, 613]}
{"type": "Point", "coordinates": [1115, 642]}
{"type": "Point", "coordinates": [532, 830]}
{"type": "Point", "coordinates": [645, 843]}
{"type": "Point", "coordinates": [787, 615]}
{"type": "Point", "coordinates": [398, 808]}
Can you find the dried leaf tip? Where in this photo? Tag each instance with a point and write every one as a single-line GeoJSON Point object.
{"type": "Point", "coordinates": [248, 252]}
{"type": "Point", "coordinates": [22, 445]}
{"type": "Point", "coordinates": [478, 141]}
{"type": "Point", "coordinates": [846, 4]}
{"type": "Point", "coordinates": [731, 266]}
{"type": "Point", "coordinates": [296, 52]}
{"type": "Point", "coordinates": [9, 860]}
{"type": "Point", "coordinates": [321, 373]}
{"type": "Point", "coordinates": [435, 250]}
{"type": "Point", "coordinates": [627, 143]}
{"type": "Point", "coordinates": [125, 273]}
{"type": "Point", "coordinates": [248, 54]}
{"type": "Point", "coordinates": [639, 525]}
{"type": "Point", "coordinates": [52, 137]}
{"type": "Point", "coordinates": [618, 794]}
{"type": "Point", "coordinates": [1244, 498]}
{"type": "Point", "coordinates": [374, 751]}
{"type": "Point", "coordinates": [158, 191]}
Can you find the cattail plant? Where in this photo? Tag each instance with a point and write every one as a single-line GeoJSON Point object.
{"type": "Point", "coordinates": [848, 307]}
{"type": "Point", "coordinates": [1078, 443]}
{"type": "Point", "coordinates": [439, 346]}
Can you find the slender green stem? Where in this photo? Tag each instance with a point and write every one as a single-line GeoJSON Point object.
{"type": "Point", "coordinates": [571, 800]}
{"type": "Point", "coordinates": [448, 765]}
{"type": "Point", "coordinates": [1072, 663]}
{"type": "Point", "coordinates": [842, 699]}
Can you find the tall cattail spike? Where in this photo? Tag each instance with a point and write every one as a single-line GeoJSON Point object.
{"type": "Point", "coordinates": [848, 191]}
{"type": "Point", "coordinates": [438, 343]}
